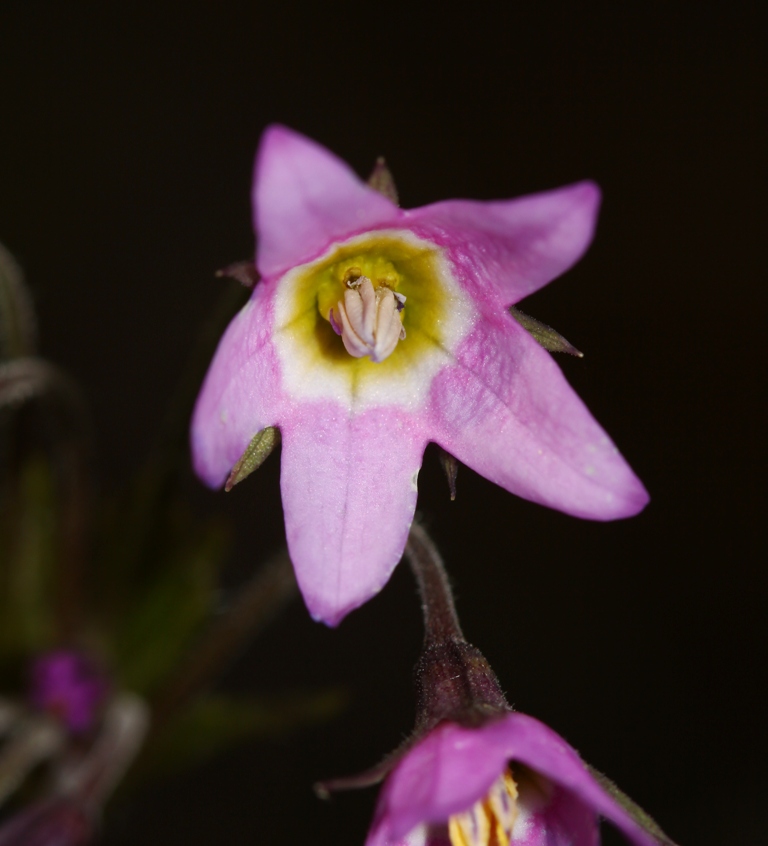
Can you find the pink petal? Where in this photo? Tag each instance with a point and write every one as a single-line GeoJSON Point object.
{"type": "Point", "coordinates": [525, 739]}
{"type": "Point", "coordinates": [555, 817]}
{"type": "Point", "coordinates": [444, 774]}
{"type": "Point", "coordinates": [506, 410]}
{"type": "Point", "coordinates": [349, 493]}
{"type": "Point", "coordinates": [454, 767]}
{"type": "Point", "coordinates": [304, 199]}
{"type": "Point", "coordinates": [241, 392]}
{"type": "Point", "coordinates": [513, 246]}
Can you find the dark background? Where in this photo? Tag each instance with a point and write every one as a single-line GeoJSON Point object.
{"type": "Point", "coordinates": [128, 133]}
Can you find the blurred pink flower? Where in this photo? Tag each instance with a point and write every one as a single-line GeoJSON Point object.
{"type": "Point", "coordinates": [67, 684]}
{"type": "Point", "coordinates": [53, 822]}
{"type": "Point", "coordinates": [510, 781]}
{"type": "Point", "coordinates": [428, 352]}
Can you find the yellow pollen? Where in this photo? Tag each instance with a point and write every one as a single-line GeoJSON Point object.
{"type": "Point", "coordinates": [490, 821]}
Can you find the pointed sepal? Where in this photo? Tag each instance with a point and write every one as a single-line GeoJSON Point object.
{"type": "Point", "coordinates": [255, 455]}
{"type": "Point", "coordinates": [381, 180]}
{"type": "Point", "coordinates": [243, 271]}
{"type": "Point", "coordinates": [545, 335]}
{"type": "Point", "coordinates": [451, 469]}
{"type": "Point", "coordinates": [641, 817]}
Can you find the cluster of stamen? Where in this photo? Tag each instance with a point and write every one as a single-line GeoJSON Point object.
{"type": "Point", "coordinates": [488, 822]}
{"type": "Point", "coordinates": [369, 319]}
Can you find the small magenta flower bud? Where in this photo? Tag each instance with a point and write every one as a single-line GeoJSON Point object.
{"type": "Point", "coordinates": [68, 685]}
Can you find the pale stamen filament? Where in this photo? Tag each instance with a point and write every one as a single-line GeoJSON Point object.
{"type": "Point", "coordinates": [369, 319]}
{"type": "Point", "coordinates": [489, 821]}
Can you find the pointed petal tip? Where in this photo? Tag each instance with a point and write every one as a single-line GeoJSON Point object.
{"type": "Point", "coordinates": [277, 136]}
{"type": "Point", "coordinates": [330, 615]}
{"type": "Point", "coordinates": [206, 470]}
{"type": "Point", "coordinates": [624, 500]}
{"type": "Point", "coordinates": [304, 198]}
{"type": "Point", "coordinates": [627, 499]}
{"type": "Point", "coordinates": [589, 192]}
{"type": "Point", "coordinates": [586, 199]}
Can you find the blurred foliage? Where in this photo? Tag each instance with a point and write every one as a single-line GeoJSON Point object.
{"type": "Point", "coordinates": [28, 556]}
{"type": "Point", "coordinates": [131, 579]}
{"type": "Point", "coordinates": [17, 320]}
{"type": "Point", "coordinates": [217, 722]}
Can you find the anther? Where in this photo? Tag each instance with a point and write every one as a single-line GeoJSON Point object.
{"type": "Point", "coordinates": [368, 319]}
{"type": "Point", "coordinates": [490, 820]}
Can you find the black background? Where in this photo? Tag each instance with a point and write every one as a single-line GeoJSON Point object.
{"type": "Point", "coordinates": [127, 138]}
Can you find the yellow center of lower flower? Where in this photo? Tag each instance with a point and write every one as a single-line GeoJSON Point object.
{"type": "Point", "coordinates": [488, 822]}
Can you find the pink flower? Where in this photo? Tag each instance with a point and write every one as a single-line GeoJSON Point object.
{"type": "Point", "coordinates": [510, 781]}
{"type": "Point", "coordinates": [52, 822]}
{"type": "Point", "coordinates": [428, 352]}
{"type": "Point", "coordinates": [69, 685]}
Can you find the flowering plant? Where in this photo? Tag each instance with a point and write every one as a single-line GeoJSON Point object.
{"type": "Point", "coordinates": [474, 772]}
{"type": "Point", "coordinates": [370, 331]}
{"type": "Point", "coordinates": [375, 330]}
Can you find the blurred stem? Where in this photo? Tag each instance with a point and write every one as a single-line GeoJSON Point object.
{"type": "Point", "coordinates": [158, 479]}
{"type": "Point", "coordinates": [257, 603]}
{"type": "Point", "coordinates": [18, 329]}
{"type": "Point", "coordinates": [32, 386]}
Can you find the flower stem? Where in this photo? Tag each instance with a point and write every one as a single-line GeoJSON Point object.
{"type": "Point", "coordinates": [453, 679]}
{"type": "Point", "coordinates": [258, 602]}
{"type": "Point", "coordinates": [441, 623]}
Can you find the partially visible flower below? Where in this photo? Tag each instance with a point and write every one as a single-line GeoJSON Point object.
{"type": "Point", "coordinates": [67, 684]}
{"type": "Point", "coordinates": [510, 781]}
{"type": "Point", "coordinates": [474, 772]}
{"type": "Point", "coordinates": [375, 330]}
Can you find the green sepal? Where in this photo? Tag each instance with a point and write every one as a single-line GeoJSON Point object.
{"type": "Point", "coordinates": [254, 456]}
{"type": "Point", "coordinates": [643, 819]}
{"type": "Point", "coordinates": [543, 334]}
{"type": "Point", "coordinates": [381, 180]}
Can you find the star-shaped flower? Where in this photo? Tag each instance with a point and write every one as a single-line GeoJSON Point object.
{"type": "Point", "coordinates": [375, 330]}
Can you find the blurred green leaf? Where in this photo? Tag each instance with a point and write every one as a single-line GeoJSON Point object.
{"type": "Point", "coordinates": [153, 630]}
{"type": "Point", "coordinates": [216, 722]}
{"type": "Point", "coordinates": [28, 534]}
{"type": "Point", "coordinates": [18, 333]}
{"type": "Point", "coordinates": [141, 530]}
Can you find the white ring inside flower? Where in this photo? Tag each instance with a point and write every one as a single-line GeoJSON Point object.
{"type": "Point", "coordinates": [321, 359]}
